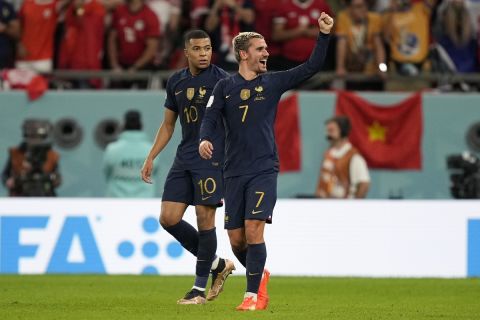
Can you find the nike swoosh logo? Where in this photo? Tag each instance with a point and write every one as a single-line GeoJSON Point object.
{"type": "Point", "coordinates": [226, 97]}
{"type": "Point", "coordinates": [205, 198]}
{"type": "Point", "coordinates": [253, 274]}
{"type": "Point", "coordinates": [178, 92]}
{"type": "Point", "coordinates": [255, 212]}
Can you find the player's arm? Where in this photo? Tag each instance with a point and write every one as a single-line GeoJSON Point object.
{"type": "Point", "coordinates": [293, 77]}
{"type": "Point", "coordinates": [164, 134]}
{"type": "Point", "coordinates": [213, 111]}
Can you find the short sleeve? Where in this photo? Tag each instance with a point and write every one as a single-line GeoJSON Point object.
{"type": "Point", "coordinates": [358, 170]}
{"type": "Point", "coordinates": [170, 102]}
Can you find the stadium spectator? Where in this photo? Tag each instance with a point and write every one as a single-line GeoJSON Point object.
{"type": "Point", "coordinates": [296, 29]}
{"type": "Point", "coordinates": [198, 9]}
{"type": "Point", "coordinates": [82, 45]}
{"type": "Point", "coordinates": [225, 20]}
{"type": "Point", "coordinates": [265, 11]}
{"type": "Point", "coordinates": [123, 159]}
{"type": "Point", "coordinates": [359, 45]}
{"type": "Point", "coordinates": [32, 167]}
{"type": "Point", "coordinates": [456, 34]}
{"type": "Point", "coordinates": [38, 20]}
{"type": "Point", "coordinates": [407, 32]}
{"type": "Point", "coordinates": [9, 34]}
{"type": "Point", "coordinates": [344, 172]}
{"type": "Point", "coordinates": [168, 13]}
{"type": "Point", "coordinates": [133, 40]}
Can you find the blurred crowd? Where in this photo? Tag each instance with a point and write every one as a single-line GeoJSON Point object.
{"type": "Point", "coordinates": [372, 37]}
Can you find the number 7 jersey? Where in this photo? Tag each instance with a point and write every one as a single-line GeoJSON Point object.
{"type": "Point", "coordinates": [187, 96]}
{"type": "Point", "coordinates": [249, 108]}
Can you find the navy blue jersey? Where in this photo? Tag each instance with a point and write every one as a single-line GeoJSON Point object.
{"type": "Point", "coordinates": [249, 109]}
{"type": "Point", "coordinates": [187, 96]}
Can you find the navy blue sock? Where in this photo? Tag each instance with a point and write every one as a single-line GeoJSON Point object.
{"type": "Point", "coordinates": [241, 256]}
{"type": "Point", "coordinates": [256, 257]}
{"type": "Point", "coordinates": [207, 246]}
{"type": "Point", "coordinates": [186, 235]}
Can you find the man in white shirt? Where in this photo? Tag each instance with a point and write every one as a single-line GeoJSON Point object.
{"type": "Point", "coordinates": [344, 172]}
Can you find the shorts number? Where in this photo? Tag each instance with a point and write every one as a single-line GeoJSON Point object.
{"type": "Point", "coordinates": [260, 198]}
{"type": "Point", "coordinates": [191, 114]}
{"type": "Point", "coordinates": [244, 112]}
{"type": "Point", "coordinates": [208, 186]}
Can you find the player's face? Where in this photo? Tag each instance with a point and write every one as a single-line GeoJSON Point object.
{"type": "Point", "coordinates": [199, 53]}
{"type": "Point", "coordinates": [257, 55]}
{"type": "Point", "coordinates": [333, 132]}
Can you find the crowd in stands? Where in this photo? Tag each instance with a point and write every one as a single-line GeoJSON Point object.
{"type": "Point", "coordinates": [372, 37]}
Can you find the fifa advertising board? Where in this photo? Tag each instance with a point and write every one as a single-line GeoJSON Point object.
{"type": "Point", "coordinates": [308, 237]}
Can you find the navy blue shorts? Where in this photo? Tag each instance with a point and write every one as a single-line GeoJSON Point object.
{"type": "Point", "coordinates": [194, 187]}
{"type": "Point", "coordinates": [250, 197]}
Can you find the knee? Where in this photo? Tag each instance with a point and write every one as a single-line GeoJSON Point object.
{"type": "Point", "coordinates": [167, 220]}
{"type": "Point", "coordinates": [205, 217]}
{"type": "Point", "coordinates": [254, 233]}
{"type": "Point", "coordinates": [238, 244]}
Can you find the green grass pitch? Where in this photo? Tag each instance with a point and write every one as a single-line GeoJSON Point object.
{"type": "Point", "coordinates": [154, 297]}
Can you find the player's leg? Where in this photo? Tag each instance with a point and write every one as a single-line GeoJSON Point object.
{"type": "Point", "coordinates": [177, 195]}
{"type": "Point", "coordinates": [261, 196]}
{"type": "Point", "coordinates": [239, 245]}
{"type": "Point", "coordinates": [235, 217]}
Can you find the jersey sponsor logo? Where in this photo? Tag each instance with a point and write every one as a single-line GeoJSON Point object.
{"type": "Point", "coordinates": [178, 92]}
{"type": "Point", "coordinates": [245, 94]}
{"type": "Point", "coordinates": [259, 89]}
{"type": "Point", "coordinates": [190, 93]}
{"type": "Point", "coordinates": [210, 102]}
{"type": "Point", "coordinates": [202, 91]}
{"type": "Point", "coordinates": [255, 212]}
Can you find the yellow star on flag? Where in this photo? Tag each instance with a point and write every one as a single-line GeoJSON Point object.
{"type": "Point", "coordinates": [376, 132]}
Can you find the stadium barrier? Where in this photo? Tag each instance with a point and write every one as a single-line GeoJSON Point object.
{"type": "Point", "coordinates": [308, 237]}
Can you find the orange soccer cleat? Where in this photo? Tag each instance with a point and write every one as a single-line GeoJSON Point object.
{"type": "Point", "coordinates": [262, 297]}
{"type": "Point", "coordinates": [248, 304]}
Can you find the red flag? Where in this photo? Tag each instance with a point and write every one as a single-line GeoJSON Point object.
{"type": "Point", "coordinates": [25, 79]}
{"type": "Point", "coordinates": [287, 134]}
{"type": "Point", "coordinates": [389, 137]}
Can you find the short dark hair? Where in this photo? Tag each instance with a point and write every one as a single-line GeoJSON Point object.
{"type": "Point", "coordinates": [133, 120]}
{"type": "Point", "coordinates": [343, 123]}
{"type": "Point", "coordinates": [194, 34]}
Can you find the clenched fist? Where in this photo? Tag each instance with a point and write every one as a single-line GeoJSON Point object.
{"type": "Point", "coordinates": [325, 22]}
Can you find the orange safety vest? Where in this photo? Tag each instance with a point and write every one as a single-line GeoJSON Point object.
{"type": "Point", "coordinates": [335, 174]}
{"type": "Point", "coordinates": [17, 158]}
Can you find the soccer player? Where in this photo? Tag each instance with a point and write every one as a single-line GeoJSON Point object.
{"type": "Point", "coordinates": [247, 102]}
{"type": "Point", "coordinates": [193, 180]}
